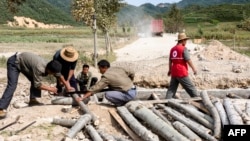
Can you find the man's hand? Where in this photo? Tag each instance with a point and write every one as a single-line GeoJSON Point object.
{"type": "Point", "coordinates": [195, 72]}
{"type": "Point", "coordinates": [169, 73]}
{"type": "Point", "coordinates": [52, 90]}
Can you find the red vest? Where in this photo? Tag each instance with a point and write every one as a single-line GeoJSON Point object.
{"type": "Point", "coordinates": [179, 65]}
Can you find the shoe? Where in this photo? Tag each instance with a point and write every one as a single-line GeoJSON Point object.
{"type": "Point", "coordinates": [34, 102]}
{"type": "Point", "coordinates": [3, 114]}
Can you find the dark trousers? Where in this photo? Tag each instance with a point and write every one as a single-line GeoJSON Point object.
{"type": "Point", "coordinates": [186, 84]}
{"type": "Point", "coordinates": [13, 74]}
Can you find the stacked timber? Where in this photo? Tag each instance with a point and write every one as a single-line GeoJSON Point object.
{"type": "Point", "coordinates": [184, 119]}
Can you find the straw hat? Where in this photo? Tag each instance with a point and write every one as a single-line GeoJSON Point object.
{"type": "Point", "coordinates": [182, 36]}
{"type": "Point", "coordinates": [69, 54]}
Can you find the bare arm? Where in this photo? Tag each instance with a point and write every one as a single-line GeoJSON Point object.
{"type": "Point", "coordinates": [190, 63]}
{"type": "Point", "coordinates": [169, 67]}
{"type": "Point", "coordinates": [48, 88]}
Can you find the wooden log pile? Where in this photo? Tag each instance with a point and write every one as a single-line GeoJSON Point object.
{"type": "Point", "coordinates": [190, 119]}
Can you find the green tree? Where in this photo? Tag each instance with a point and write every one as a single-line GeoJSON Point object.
{"type": "Point", "coordinates": [13, 5]}
{"type": "Point", "coordinates": [104, 11]}
{"type": "Point", "coordinates": [174, 20]}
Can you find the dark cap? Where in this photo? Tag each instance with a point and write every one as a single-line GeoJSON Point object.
{"type": "Point", "coordinates": [54, 66]}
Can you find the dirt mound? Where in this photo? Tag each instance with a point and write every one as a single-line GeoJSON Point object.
{"type": "Point", "coordinates": [218, 51]}
{"type": "Point", "coordinates": [31, 23]}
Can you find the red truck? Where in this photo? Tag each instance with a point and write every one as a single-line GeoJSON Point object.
{"type": "Point", "coordinates": [157, 27]}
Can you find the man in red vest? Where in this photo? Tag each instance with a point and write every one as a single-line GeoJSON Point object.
{"type": "Point", "coordinates": [179, 59]}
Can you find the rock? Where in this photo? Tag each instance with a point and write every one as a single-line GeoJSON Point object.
{"type": "Point", "coordinates": [20, 105]}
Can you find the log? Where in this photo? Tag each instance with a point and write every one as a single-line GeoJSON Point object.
{"type": "Point", "coordinates": [124, 126]}
{"type": "Point", "coordinates": [158, 113]}
{"type": "Point", "coordinates": [136, 126]}
{"type": "Point", "coordinates": [105, 136]}
{"type": "Point", "coordinates": [232, 95]}
{"type": "Point", "coordinates": [93, 133]}
{"type": "Point", "coordinates": [81, 122]}
{"type": "Point", "coordinates": [201, 114]}
{"type": "Point", "coordinates": [64, 122]}
{"type": "Point", "coordinates": [200, 106]}
{"type": "Point", "coordinates": [190, 112]}
{"type": "Point", "coordinates": [217, 122]}
{"type": "Point", "coordinates": [184, 130]}
{"type": "Point", "coordinates": [244, 116]}
{"type": "Point", "coordinates": [248, 108]}
{"type": "Point", "coordinates": [196, 127]}
{"type": "Point", "coordinates": [86, 110]}
{"type": "Point", "coordinates": [150, 103]}
{"type": "Point", "coordinates": [158, 125]}
{"type": "Point", "coordinates": [233, 116]}
{"type": "Point", "coordinates": [223, 115]}
{"type": "Point", "coordinates": [61, 100]}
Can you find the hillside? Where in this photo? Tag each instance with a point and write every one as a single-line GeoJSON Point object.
{"type": "Point", "coordinates": [46, 11]}
{"type": "Point", "coordinates": [58, 12]}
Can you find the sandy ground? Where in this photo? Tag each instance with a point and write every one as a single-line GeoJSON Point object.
{"type": "Point", "coordinates": [218, 66]}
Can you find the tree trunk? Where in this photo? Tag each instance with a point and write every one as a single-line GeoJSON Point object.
{"type": "Point", "coordinates": [86, 110]}
{"type": "Point", "coordinates": [81, 122]}
{"type": "Point", "coordinates": [223, 115]}
{"type": "Point", "coordinates": [106, 136]}
{"type": "Point", "coordinates": [196, 127]}
{"type": "Point", "coordinates": [60, 100]}
{"type": "Point", "coordinates": [217, 122]}
{"type": "Point", "coordinates": [233, 116]}
{"type": "Point", "coordinates": [136, 126]}
{"type": "Point", "coordinates": [248, 108]}
{"type": "Point", "coordinates": [64, 122]}
{"type": "Point", "coordinates": [158, 125]}
{"type": "Point", "coordinates": [184, 130]}
{"type": "Point", "coordinates": [192, 114]}
{"type": "Point", "coordinates": [93, 133]}
{"type": "Point", "coordinates": [158, 113]}
{"type": "Point", "coordinates": [244, 116]}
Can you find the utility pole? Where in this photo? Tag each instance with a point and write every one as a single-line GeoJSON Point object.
{"type": "Point", "coordinates": [95, 36]}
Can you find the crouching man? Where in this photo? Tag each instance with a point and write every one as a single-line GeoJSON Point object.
{"type": "Point", "coordinates": [119, 82]}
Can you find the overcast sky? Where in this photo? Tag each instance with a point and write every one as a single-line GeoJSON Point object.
{"type": "Point", "coordinates": [155, 2]}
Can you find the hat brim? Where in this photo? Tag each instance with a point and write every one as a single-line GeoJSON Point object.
{"type": "Point", "coordinates": [72, 59]}
{"type": "Point", "coordinates": [183, 39]}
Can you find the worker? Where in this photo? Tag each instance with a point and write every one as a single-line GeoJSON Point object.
{"type": "Point", "coordinates": [118, 81]}
{"type": "Point", "coordinates": [68, 57]}
{"type": "Point", "coordinates": [34, 68]}
{"type": "Point", "coordinates": [179, 59]}
{"type": "Point", "coordinates": [85, 78]}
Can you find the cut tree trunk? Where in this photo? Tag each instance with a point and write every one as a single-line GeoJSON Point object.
{"type": "Point", "coordinates": [244, 116]}
{"type": "Point", "coordinates": [184, 130]}
{"type": "Point", "coordinates": [209, 105]}
{"type": "Point", "coordinates": [86, 110]}
{"type": "Point", "coordinates": [192, 114]}
{"type": "Point", "coordinates": [64, 122]}
{"type": "Point", "coordinates": [248, 108]}
{"type": "Point", "coordinates": [60, 100]}
{"type": "Point", "coordinates": [223, 115]}
{"type": "Point", "coordinates": [93, 133]}
{"type": "Point", "coordinates": [233, 116]}
{"type": "Point", "coordinates": [81, 122]}
{"type": "Point", "coordinates": [158, 113]}
{"type": "Point", "coordinates": [105, 136]}
{"type": "Point", "coordinates": [158, 125]}
{"type": "Point", "coordinates": [196, 127]}
{"type": "Point", "coordinates": [136, 126]}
